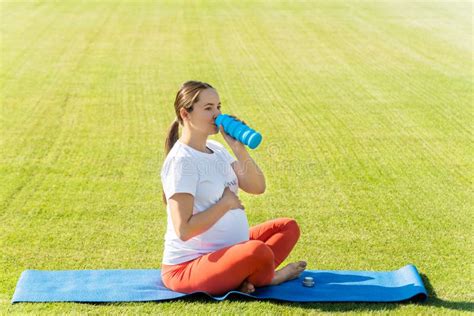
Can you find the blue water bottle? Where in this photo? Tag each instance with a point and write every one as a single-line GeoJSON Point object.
{"type": "Point", "coordinates": [239, 131]}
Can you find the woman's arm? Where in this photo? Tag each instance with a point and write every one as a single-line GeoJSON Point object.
{"type": "Point", "coordinates": [186, 225]}
{"type": "Point", "coordinates": [251, 178]}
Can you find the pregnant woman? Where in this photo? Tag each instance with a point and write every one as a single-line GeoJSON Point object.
{"type": "Point", "coordinates": [208, 244]}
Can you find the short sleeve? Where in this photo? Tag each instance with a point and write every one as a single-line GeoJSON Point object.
{"type": "Point", "coordinates": [228, 157]}
{"type": "Point", "coordinates": [180, 175]}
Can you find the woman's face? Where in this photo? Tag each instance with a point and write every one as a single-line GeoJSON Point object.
{"type": "Point", "coordinates": [201, 118]}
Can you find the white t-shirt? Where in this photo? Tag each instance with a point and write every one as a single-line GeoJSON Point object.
{"type": "Point", "coordinates": [205, 176]}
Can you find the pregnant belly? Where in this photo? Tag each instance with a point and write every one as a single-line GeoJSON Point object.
{"type": "Point", "coordinates": [230, 229]}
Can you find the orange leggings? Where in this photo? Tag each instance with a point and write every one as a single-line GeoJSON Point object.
{"type": "Point", "coordinates": [225, 269]}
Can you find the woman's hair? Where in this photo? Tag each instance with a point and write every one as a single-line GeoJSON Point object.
{"type": "Point", "coordinates": [187, 95]}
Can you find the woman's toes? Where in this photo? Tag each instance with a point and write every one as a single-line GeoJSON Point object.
{"type": "Point", "coordinates": [243, 287]}
{"type": "Point", "coordinates": [247, 287]}
{"type": "Point", "coordinates": [251, 287]}
{"type": "Point", "coordinates": [301, 265]}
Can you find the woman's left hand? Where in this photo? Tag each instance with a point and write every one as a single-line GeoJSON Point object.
{"type": "Point", "coordinates": [234, 144]}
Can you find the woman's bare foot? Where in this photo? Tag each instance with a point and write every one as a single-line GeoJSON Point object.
{"type": "Point", "coordinates": [246, 287]}
{"type": "Point", "coordinates": [289, 272]}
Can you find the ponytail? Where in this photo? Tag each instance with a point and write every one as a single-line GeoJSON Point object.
{"type": "Point", "coordinates": [173, 135]}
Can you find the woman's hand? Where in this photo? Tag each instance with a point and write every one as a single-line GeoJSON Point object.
{"type": "Point", "coordinates": [233, 143]}
{"type": "Point", "coordinates": [231, 200]}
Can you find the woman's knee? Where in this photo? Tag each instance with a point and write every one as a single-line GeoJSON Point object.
{"type": "Point", "coordinates": [292, 226]}
{"type": "Point", "coordinates": [259, 252]}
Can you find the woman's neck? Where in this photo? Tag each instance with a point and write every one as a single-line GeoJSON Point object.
{"type": "Point", "coordinates": [194, 140]}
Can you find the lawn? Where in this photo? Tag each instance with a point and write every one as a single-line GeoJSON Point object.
{"type": "Point", "coordinates": [365, 108]}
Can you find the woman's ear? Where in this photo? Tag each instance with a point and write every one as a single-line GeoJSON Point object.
{"type": "Point", "coordinates": [184, 114]}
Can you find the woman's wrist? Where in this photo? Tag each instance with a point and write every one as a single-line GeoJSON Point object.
{"type": "Point", "coordinates": [238, 148]}
{"type": "Point", "coordinates": [224, 204]}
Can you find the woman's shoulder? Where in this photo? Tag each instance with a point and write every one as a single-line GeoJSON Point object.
{"type": "Point", "coordinates": [215, 144]}
{"type": "Point", "coordinates": [177, 156]}
{"type": "Point", "coordinates": [220, 150]}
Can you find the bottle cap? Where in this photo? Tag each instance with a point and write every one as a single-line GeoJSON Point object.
{"type": "Point", "coordinates": [255, 140]}
{"type": "Point", "coordinates": [308, 281]}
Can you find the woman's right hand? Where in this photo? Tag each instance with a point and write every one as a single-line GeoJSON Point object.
{"type": "Point", "coordinates": [231, 200]}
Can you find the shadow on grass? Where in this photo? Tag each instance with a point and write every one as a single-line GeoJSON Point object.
{"type": "Point", "coordinates": [432, 300]}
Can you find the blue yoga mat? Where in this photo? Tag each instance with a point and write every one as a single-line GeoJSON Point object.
{"type": "Point", "coordinates": [145, 285]}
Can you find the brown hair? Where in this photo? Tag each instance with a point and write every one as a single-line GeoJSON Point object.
{"type": "Point", "coordinates": [187, 95]}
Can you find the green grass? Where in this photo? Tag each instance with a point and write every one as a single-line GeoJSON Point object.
{"type": "Point", "coordinates": [365, 108]}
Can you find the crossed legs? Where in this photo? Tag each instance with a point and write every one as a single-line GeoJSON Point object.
{"type": "Point", "coordinates": [241, 266]}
